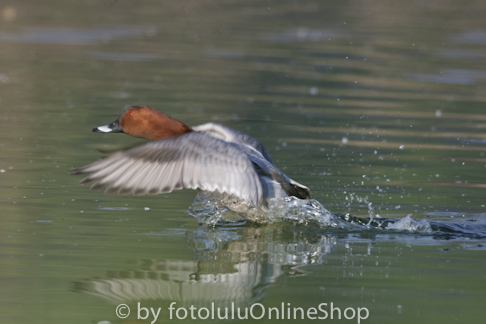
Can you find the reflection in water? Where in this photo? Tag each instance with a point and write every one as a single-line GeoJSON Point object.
{"type": "Point", "coordinates": [236, 265]}
{"type": "Point", "coordinates": [232, 266]}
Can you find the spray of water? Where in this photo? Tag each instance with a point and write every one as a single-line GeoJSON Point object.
{"type": "Point", "coordinates": [214, 209]}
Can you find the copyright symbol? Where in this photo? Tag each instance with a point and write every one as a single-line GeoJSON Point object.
{"type": "Point", "coordinates": [122, 311]}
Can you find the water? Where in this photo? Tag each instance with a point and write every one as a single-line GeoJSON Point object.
{"type": "Point", "coordinates": [313, 215]}
{"type": "Point", "coordinates": [378, 108]}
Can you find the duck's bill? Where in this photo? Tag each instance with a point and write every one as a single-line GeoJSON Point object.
{"type": "Point", "coordinates": [110, 128]}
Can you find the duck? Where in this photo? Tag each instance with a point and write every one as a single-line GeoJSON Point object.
{"type": "Point", "coordinates": [210, 157]}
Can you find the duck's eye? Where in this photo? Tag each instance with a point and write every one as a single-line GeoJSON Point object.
{"type": "Point", "coordinates": [130, 114]}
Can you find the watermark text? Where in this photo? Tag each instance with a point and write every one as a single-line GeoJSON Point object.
{"type": "Point", "coordinates": [256, 311]}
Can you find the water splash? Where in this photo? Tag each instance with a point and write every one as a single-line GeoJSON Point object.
{"type": "Point", "coordinates": [409, 224]}
{"type": "Point", "coordinates": [214, 209]}
{"type": "Point", "coordinates": [352, 197]}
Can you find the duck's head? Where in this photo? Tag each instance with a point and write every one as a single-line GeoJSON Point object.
{"type": "Point", "coordinates": [145, 122]}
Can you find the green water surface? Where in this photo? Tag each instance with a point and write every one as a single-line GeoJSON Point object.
{"type": "Point", "coordinates": [377, 106]}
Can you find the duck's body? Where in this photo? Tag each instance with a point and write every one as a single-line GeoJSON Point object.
{"type": "Point", "coordinates": [209, 157]}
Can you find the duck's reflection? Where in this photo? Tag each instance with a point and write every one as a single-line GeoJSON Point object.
{"type": "Point", "coordinates": [232, 267]}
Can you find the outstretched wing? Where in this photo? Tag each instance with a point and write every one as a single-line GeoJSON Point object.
{"type": "Point", "coordinates": [192, 160]}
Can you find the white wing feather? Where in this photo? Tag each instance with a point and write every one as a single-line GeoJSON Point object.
{"type": "Point", "coordinates": [192, 160]}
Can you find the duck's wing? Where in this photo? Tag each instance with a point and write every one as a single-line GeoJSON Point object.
{"type": "Point", "coordinates": [258, 155]}
{"type": "Point", "coordinates": [231, 135]}
{"type": "Point", "coordinates": [192, 160]}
